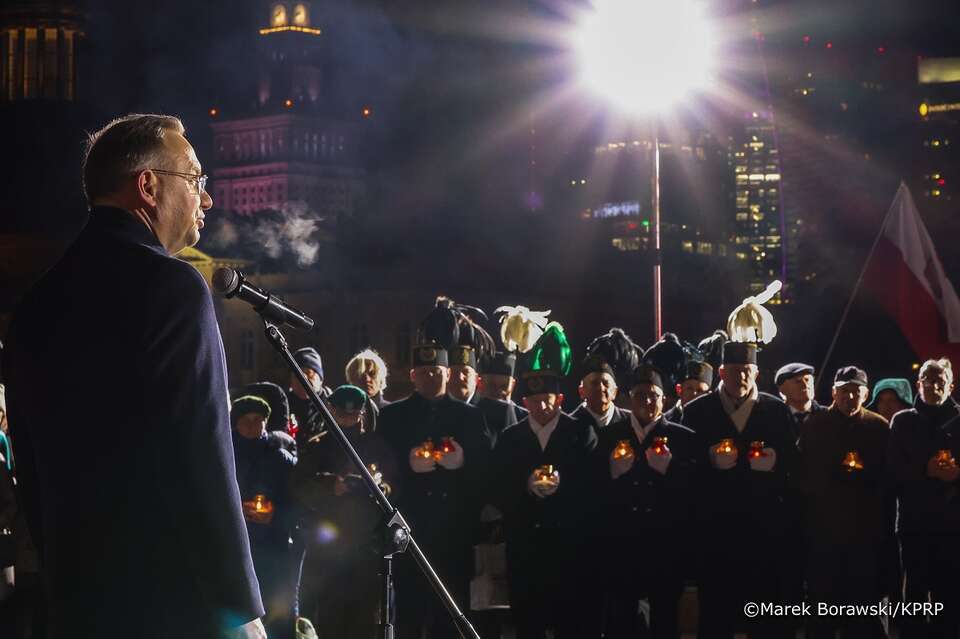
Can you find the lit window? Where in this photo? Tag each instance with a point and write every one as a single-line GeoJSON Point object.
{"type": "Point", "coordinates": [686, 246]}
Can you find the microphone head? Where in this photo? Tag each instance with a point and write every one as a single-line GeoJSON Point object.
{"type": "Point", "coordinates": [226, 281]}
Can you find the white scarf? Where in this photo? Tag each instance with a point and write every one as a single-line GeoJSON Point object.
{"type": "Point", "coordinates": [602, 420]}
{"type": "Point", "coordinates": [544, 431]}
{"type": "Point", "coordinates": [738, 414]}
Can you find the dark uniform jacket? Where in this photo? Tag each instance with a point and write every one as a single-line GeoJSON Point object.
{"type": "Point", "coordinates": [926, 505]}
{"type": "Point", "coordinates": [581, 414]}
{"type": "Point", "coordinates": [518, 454]}
{"type": "Point", "coordinates": [499, 414]}
{"type": "Point", "coordinates": [741, 498]}
{"type": "Point", "coordinates": [642, 503]}
{"type": "Point", "coordinates": [132, 502]}
{"type": "Point", "coordinates": [443, 503]}
{"type": "Point", "coordinates": [799, 420]}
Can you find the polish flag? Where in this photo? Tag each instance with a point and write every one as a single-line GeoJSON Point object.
{"type": "Point", "coordinates": [908, 280]}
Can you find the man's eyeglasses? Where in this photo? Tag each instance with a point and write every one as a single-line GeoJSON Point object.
{"type": "Point", "coordinates": [199, 181]}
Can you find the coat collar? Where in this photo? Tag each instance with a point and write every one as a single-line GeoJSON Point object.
{"type": "Point", "coordinates": [124, 226]}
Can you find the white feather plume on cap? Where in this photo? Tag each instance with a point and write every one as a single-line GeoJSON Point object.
{"type": "Point", "coordinates": [520, 328]}
{"type": "Point", "coordinates": [751, 322]}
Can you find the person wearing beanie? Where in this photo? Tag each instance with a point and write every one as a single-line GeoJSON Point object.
{"type": "Point", "coordinates": [890, 396]}
{"type": "Point", "coordinates": [264, 468]}
{"type": "Point", "coordinates": [848, 509]}
{"type": "Point", "coordinates": [923, 453]}
{"type": "Point", "coordinates": [441, 492]}
{"type": "Point", "coordinates": [339, 578]}
{"type": "Point", "coordinates": [309, 419]}
{"type": "Point", "coordinates": [541, 486]}
{"type": "Point", "coordinates": [744, 499]}
{"type": "Point", "coordinates": [645, 470]}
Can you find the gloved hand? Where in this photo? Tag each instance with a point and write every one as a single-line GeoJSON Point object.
{"type": "Point", "coordinates": [765, 462]}
{"type": "Point", "coordinates": [660, 462]}
{"type": "Point", "coordinates": [543, 488]}
{"type": "Point", "coordinates": [622, 465]}
{"type": "Point", "coordinates": [723, 461]}
{"type": "Point", "coordinates": [452, 460]}
{"type": "Point", "coordinates": [421, 464]}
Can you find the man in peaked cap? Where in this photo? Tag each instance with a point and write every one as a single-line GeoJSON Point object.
{"type": "Point", "coordinates": [646, 469]}
{"type": "Point", "coordinates": [848, 509]}
{"type": "Point", "coordinates": [442, 493]}
{"type": "Point", "coordinates": [463, 374]}
{"type": "Point", "coordinates": [542, 481]}
{"type": "Point", "coordinates": [796, 385]}
{"type": "Point", "coordinates": [747, 453]}
{"type": "Point", "coordinates": [697, 380]}
{"type": "Point", "coordinates": [495, 388]}
{"type": "Point", "coordinates": [598, 389]}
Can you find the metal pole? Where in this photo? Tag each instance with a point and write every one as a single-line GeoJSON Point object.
{"type": "Point", "coordinates": [657, 256]}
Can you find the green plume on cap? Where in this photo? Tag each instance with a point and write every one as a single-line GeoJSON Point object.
{"type": "Point", "coordinates": [552, 351]}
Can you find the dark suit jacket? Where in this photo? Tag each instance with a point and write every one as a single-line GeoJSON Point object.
{"type": "Point", "coordinates": [118, 404]}
{"type": "Point", "coordinates": [581, 414]}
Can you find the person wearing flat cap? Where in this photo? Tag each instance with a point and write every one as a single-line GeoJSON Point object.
{"type": "Point", "coordinates": [747, 453]}
{"type": "Point", "coordinates": [795, 383]}
{"type": "Point", "coordinates": [890, 396]}
{"type": "Point", "coordinates": [264, 468]}
{"type": "Point", "coordinates": [308, 418]}
{"type": "Point", "coordinates": [697, 380]}
{"type": "Point", "coordinates": [646, 469]}
{"type": "Point", "coordinates": [442, 492]}
{"type": "Point", "coordinates": [542, 481]}
{"type": "Point", "coordinates": [848, 509]}
{"type": "Point", "coordinates": [339, 580]}
{"type": "Point", "coordinates": [923, 453]}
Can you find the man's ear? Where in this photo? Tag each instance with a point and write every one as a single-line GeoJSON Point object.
{"type": "Point", "coordinates": [148, 185]}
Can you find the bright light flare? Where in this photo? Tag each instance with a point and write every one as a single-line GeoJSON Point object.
{"type": "Point", "coordinates": [644, 55]}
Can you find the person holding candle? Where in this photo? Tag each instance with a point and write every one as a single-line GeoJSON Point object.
{"type": "Point", "coordinates": [609, 360]}
{"type": "Point", "coordinates": [541, 486]}
{"type": "Point", "coordinates": [264, 468]}
{"type": "Point", "coordinates": [848, 508]}
{"type": "Point", "coordinates": [926, 485]}
{"type": "Point", "coordinates": [744, 502]}
{"type": "Point", "coordinates": [646, 470]}
{"type": "Point", "coordinates": [339, 578]}
{"type": "Point", "coordinates": [442, 492]}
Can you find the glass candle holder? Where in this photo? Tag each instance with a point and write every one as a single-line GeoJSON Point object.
{"type": "Point", "coordinates": [945, 458]}
{"type": "Point", "coordinates": [659, 445]}
{"type": "Point", "coordinates": [623, 449]}
{"type": "Point", "coordinates": [852, 461]}
{"type": "Point", "coordinates": [726, 447]}
{"type": "Point", "coordinates": [756, 449]}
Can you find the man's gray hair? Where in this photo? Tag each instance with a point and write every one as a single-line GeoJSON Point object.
{"type": "Point", "coordinates": [123, 148]}
{"type": "Point", "coordinates": [942, 364]}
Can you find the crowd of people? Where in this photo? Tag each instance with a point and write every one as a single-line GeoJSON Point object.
{"type": "Point", "coordinates": [178, 507]}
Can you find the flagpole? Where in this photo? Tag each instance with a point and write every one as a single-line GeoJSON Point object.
{"type": "Point", "coordinates": [856, 289]}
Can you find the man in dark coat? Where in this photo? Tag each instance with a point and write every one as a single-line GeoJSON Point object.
{"type": "Point", "coordinates": [444, 449]}
{"type": "Point", "coordinates": [495, 389]}
{"type": "Point", "coordinates": [135, 509]}
{"type": "Point", "coordinates": [795, 383]}
{"type": "Point", "coordinates": [697, 380]}
{"type": "Point", "coordinates": [645, 470]}
{"type": "Point", "coordinates": [340, 583]}
{"type": "Point", "coordinates": [542, 481]}
{"type": "Point", "coordinates": [264, 469]}
{"type": "Point", "coordinates": [924, 446]}
{"type": "Point", "coordinates": [744, 500]}
{"type": "Point", "coordinates": [848, 510]}
{"type": "Point", "coordinates": [598, 390]}
{"type": "Point", "coordinates": [463, 374]}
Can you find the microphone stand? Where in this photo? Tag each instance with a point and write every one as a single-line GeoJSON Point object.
{"type": "Point", "coordinates": [394, 535]}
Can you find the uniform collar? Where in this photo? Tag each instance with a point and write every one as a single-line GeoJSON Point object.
{"type": "Point", "coordinates": [124, 226]}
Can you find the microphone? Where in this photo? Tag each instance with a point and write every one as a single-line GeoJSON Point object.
{"type": "Point", "coordinates": [230, 283]}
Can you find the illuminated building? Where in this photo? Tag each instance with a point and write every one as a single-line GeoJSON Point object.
{"type": "Point", "coordinates": [297, 146]}
{"type": "Point", "coordinates": [39, 49]}
{"type": "Point", "coordinates": [936, 158]}
{"type": "Point", "coordinates": [759, 218]}
{"type": "Point", "coordinates": [613, 191]}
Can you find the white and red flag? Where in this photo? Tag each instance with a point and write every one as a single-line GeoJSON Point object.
{"type": "Point", "coordinates": [908, 280]}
